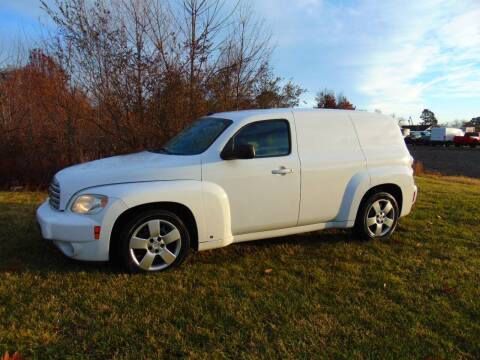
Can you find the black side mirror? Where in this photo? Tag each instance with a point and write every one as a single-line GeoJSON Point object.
{"type": "Point", "coordinates": [246, 151]}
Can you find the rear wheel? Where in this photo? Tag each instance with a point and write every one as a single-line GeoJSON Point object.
{"type": "Point", "coordinates": [154, 240]}
{"type": "Point", "coordinates": [377, 216]}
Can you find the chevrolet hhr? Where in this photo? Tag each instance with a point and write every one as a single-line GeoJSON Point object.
{"type": "Point", "coordinates": [233, 177]}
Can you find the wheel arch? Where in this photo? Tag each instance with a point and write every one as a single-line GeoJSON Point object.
{"type": "Point", "coordinates": [181, 210]}
{"type": "Point", "coordinates": [391, 188]}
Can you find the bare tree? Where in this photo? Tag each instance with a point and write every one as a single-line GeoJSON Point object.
{"type": "Point", "coordinates": [125, 75]}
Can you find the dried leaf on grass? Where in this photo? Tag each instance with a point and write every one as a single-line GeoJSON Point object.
{"type": "Point", "coordinates": [15, 356]}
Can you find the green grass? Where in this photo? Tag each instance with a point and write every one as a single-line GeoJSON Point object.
{"type": "Point", "coordinates": [329, 295]}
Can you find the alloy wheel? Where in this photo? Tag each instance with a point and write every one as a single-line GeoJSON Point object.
{"type": "Point", "coordinates": [155, 244]}
{"type": "Point", "coordinates": [380, 218]}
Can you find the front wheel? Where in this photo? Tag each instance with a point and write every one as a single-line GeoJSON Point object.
{"type": "Point", "coordinates": [377, 216]}
{"type": "Point", "coordinates": [154, 240]}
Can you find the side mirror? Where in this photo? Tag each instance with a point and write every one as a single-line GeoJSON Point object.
{"type": "Point", "coordinates": [246, 151]}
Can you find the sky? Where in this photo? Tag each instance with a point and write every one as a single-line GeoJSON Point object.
{"type": "Point", "coordinates": [396, 56]}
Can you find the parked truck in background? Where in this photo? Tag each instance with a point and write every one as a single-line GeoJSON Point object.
{"type": "Point", "coordinates": [418, 138]}
{"type": "Point", "coordinates": [444, 135]}
{"type": "Point", "coordinates": [471, 139]}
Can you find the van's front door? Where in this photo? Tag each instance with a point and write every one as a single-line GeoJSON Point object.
{"type": "Point", "coordinates": [264, 191]}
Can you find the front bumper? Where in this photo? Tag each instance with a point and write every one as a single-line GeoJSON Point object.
{"type": "Point", "coordinates": [73, 233]}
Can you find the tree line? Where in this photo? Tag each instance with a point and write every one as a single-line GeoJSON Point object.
{"type": "Point", "coordinates": [126, 75]}
{"type": "Point", "coordinates": [428, 117]}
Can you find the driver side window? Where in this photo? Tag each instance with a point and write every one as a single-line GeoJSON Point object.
{"type": "Point", "coordinates": [269, 137]}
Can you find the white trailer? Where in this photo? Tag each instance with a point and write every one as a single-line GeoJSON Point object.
{"type": "Point", "coordinates": [444, 135]}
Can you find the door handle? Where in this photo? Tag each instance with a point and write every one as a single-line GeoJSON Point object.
{"type": "Point", "coordinates": [282, 170]}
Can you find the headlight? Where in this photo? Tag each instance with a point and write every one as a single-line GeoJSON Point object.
{"type": "Point", "coordinates": [89, 204]}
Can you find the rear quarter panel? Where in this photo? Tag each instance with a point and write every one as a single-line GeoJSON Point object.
{"type": "Point", "coordinates": [388, 159]}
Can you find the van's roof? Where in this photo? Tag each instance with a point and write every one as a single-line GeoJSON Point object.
{"type": "Point", "coordinates": [242, 114]}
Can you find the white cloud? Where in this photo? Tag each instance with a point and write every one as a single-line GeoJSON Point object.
{"type": "Point", "coordinates": [436, 57]}
{"type": "Point", "coordinates": [398, 56]}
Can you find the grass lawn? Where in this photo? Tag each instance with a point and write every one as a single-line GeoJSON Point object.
{"type": "Point", "coordinates": [328, 295]}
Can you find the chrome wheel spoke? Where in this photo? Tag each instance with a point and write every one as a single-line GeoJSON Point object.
{"type": "Point", "coordinates": [388, 207]}
{"type": "Point", "coordinates": [388, 222]}
{"type": "Point", "coordinates": [378, 230]}
{"type": "Point", "coordinates": [172, 236]}
{"type": "Point", "coordinates": [376, 207]}
{"type": "Point", "coordinates": [167, 256]}
{"type": "Point", "coordinates": [154, 227]}
{"type": "Point", "coordinates": [371, 221]}
{"type": "Point", "coordinates": [138, 243]}
{"type": "Point", "coordinates": [147, 260]}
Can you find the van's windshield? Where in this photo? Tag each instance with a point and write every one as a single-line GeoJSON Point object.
{"type": "Point", "coordinates": [197, 138]}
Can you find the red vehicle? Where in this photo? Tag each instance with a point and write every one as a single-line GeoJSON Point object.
{"type": "Point", "coordinates": [471, 139]}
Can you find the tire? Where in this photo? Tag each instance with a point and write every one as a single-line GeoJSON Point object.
{"type": "Point", "coordinates": [154, 240]}
{"type": "Point", "coordinates": [473, 145]}
{"type": "Point", "coordinates": [372, 221]}
{"type": "Point", "coordinates": [457, 145]}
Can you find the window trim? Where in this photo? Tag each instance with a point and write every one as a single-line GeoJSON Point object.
{"type": "Point", "coordinates": [261, 121]}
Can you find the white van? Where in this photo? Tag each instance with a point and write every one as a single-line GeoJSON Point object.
{"type": "Point", "coordinates": [233, 177]}
{"type": "Point", "coordinates": [443, 135]}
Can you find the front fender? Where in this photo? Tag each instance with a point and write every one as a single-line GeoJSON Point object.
{"type": "Point", "coordinates": [207, 202]}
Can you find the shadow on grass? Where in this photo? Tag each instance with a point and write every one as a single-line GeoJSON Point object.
{"type": "Point", "coordinates": [23, 249]}
{"type": "Point", "coordinates": [329, 236]}
{"type": "Point", "coordinates": [306, 245]}
{"type": "Point", "coordinates": [46, 258]}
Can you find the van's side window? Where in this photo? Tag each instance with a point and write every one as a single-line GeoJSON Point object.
{"type": "Point", "coordinates": [269, 137]}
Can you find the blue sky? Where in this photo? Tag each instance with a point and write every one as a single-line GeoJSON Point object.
{"type": "Point", "coordinates": [396, 56]}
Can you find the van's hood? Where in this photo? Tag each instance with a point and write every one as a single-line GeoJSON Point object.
{"type": "Point", "coordinates": [142, 166]}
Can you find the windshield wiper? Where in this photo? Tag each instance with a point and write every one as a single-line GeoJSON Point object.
{"type": "Point", "coordinates": [163, 150]}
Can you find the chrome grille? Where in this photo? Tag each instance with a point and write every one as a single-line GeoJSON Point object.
{"type": "Point", "coordinates": [54, 194]}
